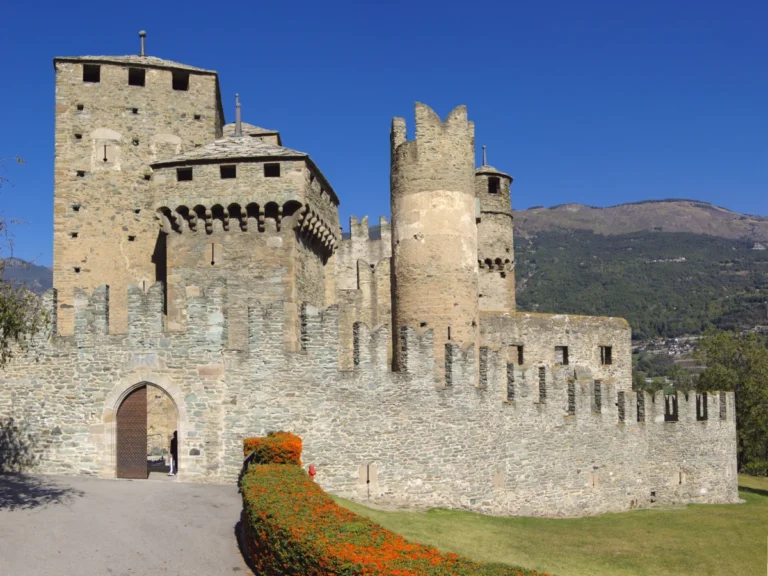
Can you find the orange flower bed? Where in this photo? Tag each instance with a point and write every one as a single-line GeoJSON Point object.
{"type": "Point", "coordinates": [275, 448]}
{"type": "Point", "coordinates": [292, 527]}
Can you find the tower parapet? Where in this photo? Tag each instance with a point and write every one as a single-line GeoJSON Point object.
{"type": "Point", "coordinates": [434, 234]}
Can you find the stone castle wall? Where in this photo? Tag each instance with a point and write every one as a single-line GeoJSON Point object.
{"type": "Point", "coordinates": [499, 447]}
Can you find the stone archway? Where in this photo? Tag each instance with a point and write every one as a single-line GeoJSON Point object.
{"type": "Point", "coordinates": [104, 436]}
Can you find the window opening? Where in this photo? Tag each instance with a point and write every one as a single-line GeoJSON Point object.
{"type": "Point", "coordinates": [272, 170]}
{"type": "Point", "coordinates": [561, 355]}
{"type": "Point", "coordinates": [106, 159]}
{"type": "Point", "coordinates": [520, 355]}
{"type": "Point", "coordinates": [180, 80]}
{"type": "Point", "coordinates": [131, 238]}
{"type": "Point", "coordinates": [91, 73]}
{"type": "Point", "coordinates": [228, 172]}
{"type": "Point", "coordinates": [76, 207]}
{"type": "Point", "coordinates": [81, 107]}
{"type": "Point", "coordinates": [78, 136]}
{"type": "Point", "coordinates": [81, 173]}
{"type": "Point", "coordinates": [670, 407]}
{"type": "Point", "coordinates": [449, 332]}
{"type": "Point", "coordinates": [542, 384]}
{"type": "Point", "coordinates": [136, 76]}
{"type": "Point", "coordinates": [77, 269]}
{"type": "Point", "coordinates": [494, 185]}
{"type": "Point", "coordinates": [135, 110]}
{"type": "Point", "coordinates": [73, 234]}
{"type": "Point", "coordinates": [147, 177]}
{"type": "Point", "coordinates": [422, 324]}
{"type": "Point", "coordinates": [184, 174]}
{"type": "Point", "coordinates": [606, 355]}
{"type": "Point", "coordinates": [701, 406]}
{"type": "Point", "coordinates": [137, 210]}
{"type": "Point", "coordinates": [197, 116]}
{"type": "Point", "coordinates": [213, 254]}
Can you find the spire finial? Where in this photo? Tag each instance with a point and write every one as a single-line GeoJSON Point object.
{"type": "Point", "coordinates": [485, 160]}
{"type": "Point", "coordinates": [142, 35]}
{"type": "Point", "coordinates": [238, 122]}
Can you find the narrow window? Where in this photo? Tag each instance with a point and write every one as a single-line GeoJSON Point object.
{"type": "Point", "coordinates": [184, 174]}
{"type": "Point", "coordinates": [197, 116]}
{"type": "Point", "coordinates": [137, 210]}
{"type": "Point", "coordinates": [136, 76]}
{"type": "Point", "coordinates": [73, 234]}
{"type": "Point", "coordinates": [494, 186]}
{"type": "Point", "coordinates": [571, 398]}
{"type": "Point", "coordinates": [723, 406]}
{"type": "Point", "coordinates": [449, 332]}
{"type": "Point", "coordinates": [147, 177]}
{"type": "Point", "coordinates": [510, 382]}
{"type": "Point", "coordinates": [520, 355]}
{"type": "Point", "coordinates": [180, 80]}
{"type": "Point", "coordinates": [131, 238]}
{"type": "Point", "coordinates": [620, 403]}
{"type": "Point", "coordinates": [598, 396]}
{"type": "Point", "coordinates": [542, 384]}
{"type": "Point", "coordinates": [77, 269]}
{"type": "Point", "coordinates": [81, 173]}
{"type": "Point", "coordinates": [670, 407]}
{"type": "Point", "coordinates": [606, 355]}
{"type": "Point", "coordinates": [134, 110]}
{"type": "Point", "coordinates": [78, 136]}
{"type": "Point", "coordinates": [81, 107]}
{"type": "Point", "coordinates": [561, 355]}
{"type": "Point", "coordinates": [228, 172]}
{"type": "Point", "coordinates": [641, 406]}
{"type": "Point", "coordinates": [76, 207]}
{"type": "Point", "coordinates": [701, 406]}
{"type": "Point", "coordinates": [91, 73]}
{"type": "Point", "coordinates": [272, 170]}
{"type": "Point", "coordinates": [421, 324]}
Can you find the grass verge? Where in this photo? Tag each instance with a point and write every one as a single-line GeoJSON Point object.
{"type": "Point", "coordinates": [695, 539]}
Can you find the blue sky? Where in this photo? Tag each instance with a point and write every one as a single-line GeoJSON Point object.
{"type": "Point", "coordinates": [593, 102]}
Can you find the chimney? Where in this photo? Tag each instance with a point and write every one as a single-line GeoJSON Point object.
{"type": "Point", "coordinates": [142, 35]}
{"type": "Point", "coordinates": [485, 161]}
{"type": "Point", "coordinates": [238, 122]}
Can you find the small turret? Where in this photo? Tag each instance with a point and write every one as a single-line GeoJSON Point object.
{"type": "Point", "coordinates": [495, 242]}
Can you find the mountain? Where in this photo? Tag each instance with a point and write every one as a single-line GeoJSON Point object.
{"type": "Point", "coordinates": [669, 267]}
{"type": "Point", "coordinates": [37, 278]}
{"type": "Point", "coordinates": [659, 215]}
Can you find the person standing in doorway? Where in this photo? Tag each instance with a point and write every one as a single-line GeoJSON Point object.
{"type": "Point", "coordinates": [174, 455]}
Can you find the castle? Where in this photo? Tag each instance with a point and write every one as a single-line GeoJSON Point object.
{"type": "Point", "coordinates": [201, 280]}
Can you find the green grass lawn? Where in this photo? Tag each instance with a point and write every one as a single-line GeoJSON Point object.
{"type": "Point", "coordinates": [696, 539]}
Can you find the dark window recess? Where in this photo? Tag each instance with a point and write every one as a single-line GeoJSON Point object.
{"type": "Point", "coordinates": [137, 210]}
{"type": "Point", "coordinates": [78, 136]}
{"type": "Point", "coordinates": [135, 141]}
{"type": "Point", "coordinates": [91, 73]}
{"type": "Point", "coordinates": [76, 207]}
{"type": "Point", "coordinates": [641, 406]}
{"type": "Point", "coordinates": [494, 185]}
{"type": "Point", "coordinates": [510, 382]}
{"type": "Point", "coordinates": [81, 173]}
{"type": "Point", "coordinates": [701, 406]}
{"type": "Point", "coordinates": [598, 396]}
{"type": "Point", "coordinates": [147, 177]}
{"type": "Point", "coordinates": [77, 269]}
{"type": "Point", "coordinates": [621, 405]}
{"type": "Point", "coordinates": [449, 332]}
{"type": "Point", "coordinates": [197, 116]}
{"type": "Point", "coordinates": [184, 174]}
{"type": "Point", "coordinates": [81, 107]}
{"type": "Point", "coordinates": [135, 110]}
{"type": "Point", "coordinates": [131, 238]}
{"type": "Point", "coordinates": [520, 357]}
{"type": "Point", "coordinates": [136, 76]}
{"type": "Point", "coordinates": [542, 384]}
{"type": "Point", "coordinates": [561, 355]}
{"type": "Point", "coordinates": [670, 407]}
{"type": "Point", "coordinates": [272, 170]}
{"type": "Point", "coordinates": [180, 80]}
{"type": "Point", "coordinates": [606, 355]}
{"type": "Point", "coordinates": [422, 324]}
{"type": "Point", "coordinates": [228, 171]}
{"type": "Point", "coordinates": [73, 234]}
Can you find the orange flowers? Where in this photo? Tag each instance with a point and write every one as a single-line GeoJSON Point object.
{"type": "Point", "coordinates": [293, 527]}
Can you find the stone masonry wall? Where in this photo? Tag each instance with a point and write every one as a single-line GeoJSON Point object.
{"type": "Point", "coordinates": [104, 228]}
{"type": "Point", "coordinates": [572, 452]}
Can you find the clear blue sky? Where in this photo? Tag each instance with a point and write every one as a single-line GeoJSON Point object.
{"type": "Point", "coordinates": [595, 102]}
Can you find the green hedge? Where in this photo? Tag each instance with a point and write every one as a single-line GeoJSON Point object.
{"type": "Point", "coordinates": [292, 527]}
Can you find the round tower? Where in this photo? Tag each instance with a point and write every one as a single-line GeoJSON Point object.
{"type": "Point", "coordinates": [434, 234]}
{"type": "Point", "coordinates": [495, 242]}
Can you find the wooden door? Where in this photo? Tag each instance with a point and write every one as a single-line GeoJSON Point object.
{"type": "Point", "coordinates": [132, 435]}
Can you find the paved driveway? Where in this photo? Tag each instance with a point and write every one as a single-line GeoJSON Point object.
{"type": "Point", "coordinates": [87, 527]}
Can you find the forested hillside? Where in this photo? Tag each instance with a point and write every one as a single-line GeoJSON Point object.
{"type": "Point", "coordinates": [663, 283]}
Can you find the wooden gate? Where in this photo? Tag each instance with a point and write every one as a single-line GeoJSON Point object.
{"type": "Point", "coordinates": [132, 435]}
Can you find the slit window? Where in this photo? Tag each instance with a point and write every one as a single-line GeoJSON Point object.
{"type": "Point", "coordinates": [136, 76]}
{"type": "Point", "coordinates": [272, 170]}
{"type": "Point", "coordinates": [91, 73]}
{"type": "Point", "coordinates": [494, 185]}
{"type": "Point", "coordinates": [228, 172]}
{"type": "Point", "coordinates": [520, 357]}
{"type": "Point", "coordinates": [561, 355]}
{"type": "Point", "coordinates": [606, 355]}
{"type": "Point", "coordinates": [184, 174]}
{"type": "Point", "coordinates": [180, 80]}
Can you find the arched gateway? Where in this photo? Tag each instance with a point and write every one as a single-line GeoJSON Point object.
{"type": "Point", "coordinates": [146, 421]}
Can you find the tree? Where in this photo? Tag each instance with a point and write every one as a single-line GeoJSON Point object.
{"type": "Point", "coordinates": [20, 312]}
{"type": "Point", "coordinates": [739, 363]}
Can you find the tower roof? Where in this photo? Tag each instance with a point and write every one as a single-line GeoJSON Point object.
{"type": "Point", "coordinates": [491, 171]}
{"type": "Point", "coordinates": [250, 130]}
{"type": "Point", "coordinates": [150, 61]}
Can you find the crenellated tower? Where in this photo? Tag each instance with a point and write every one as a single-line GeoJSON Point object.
{"type": "Point", "coordinates": [495, 240]}
{"type": "Point", "coordinates": [434, 233]}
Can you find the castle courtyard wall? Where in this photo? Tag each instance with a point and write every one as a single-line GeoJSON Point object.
{"type": "Point", "coordinates": [460, 445]}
